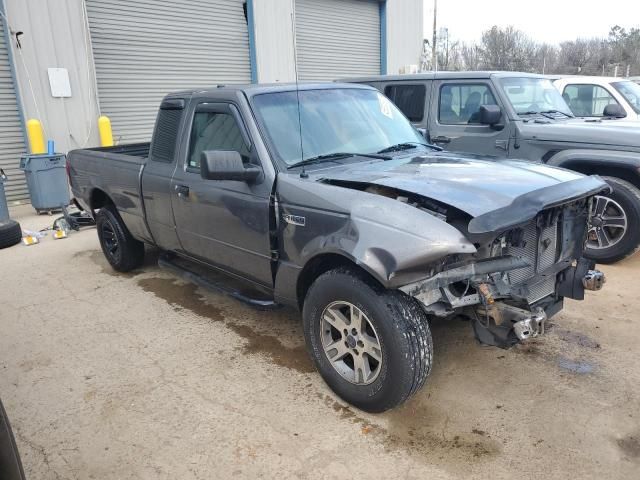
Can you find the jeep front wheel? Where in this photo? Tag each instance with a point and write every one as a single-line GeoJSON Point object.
{"type": "Point", "coordinates": [614, 224]}
{"type": "Point", "coordinates": [372, 346]}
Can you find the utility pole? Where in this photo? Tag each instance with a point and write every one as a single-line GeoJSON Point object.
{"type": "Point", "coordinates": [434, 57]}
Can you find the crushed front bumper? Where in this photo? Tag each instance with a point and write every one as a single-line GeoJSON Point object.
{"type": "Point", "coordinates": [501, 312]}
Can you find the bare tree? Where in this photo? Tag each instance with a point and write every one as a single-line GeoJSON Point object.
{"type": "Point", "coordinates": [510, 49]}
{"type": "Point", "coordinates": [470, 56]}
{"type": "Point", "coordinates": [506, 49]}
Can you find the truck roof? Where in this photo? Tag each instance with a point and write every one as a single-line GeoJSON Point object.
{"type": "Point", "coordinates": [442, 75]}
{"type": "Point", "coordinates": [258, 88]}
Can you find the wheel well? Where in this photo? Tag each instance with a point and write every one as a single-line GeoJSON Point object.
{"type": "Point", "coordinates": [319, 265]}
{"type": "Point", "coordinates": [99, 199]}
{"type": "Point", "coordinates": [629, 174]}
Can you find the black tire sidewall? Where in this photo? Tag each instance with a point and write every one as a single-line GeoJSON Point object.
{"type": "Point", "coordinates": [130, 252]}
{"type": "Point", "coordinates": [394, 382]}
{"type": "Point", "coordinates": [628, 197]}
{"type": "Point", "coordinates": [10, 233]}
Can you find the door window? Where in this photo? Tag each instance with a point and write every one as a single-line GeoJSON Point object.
{"type": "Point", "coordinates": [215, 131]}
{"type": "Point", "coordinates": [409, 99]}
{"type": "Point", "coordinates": [587, 100]}
{"type": "Point", "coordinates": [459, 104]}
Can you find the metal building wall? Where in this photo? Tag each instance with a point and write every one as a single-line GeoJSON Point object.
{"type": "Point", "coordinates": [144, 49]}
{"type": "Point", "coordinates": [12, 143]}
{"type": "Point", "coordinates": [55, 35]}
{"type": "Point", "coordinates": [337, 38]}
{"type": "Point", "coordinates": [404, 24]}
{"type": "Point", "coordinates": [405, 32]}
{"type": "Point", "coordinates": [273, 33]}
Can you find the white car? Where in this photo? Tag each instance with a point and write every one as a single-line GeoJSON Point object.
{"type": "Point", "coordinates": [601, 96]}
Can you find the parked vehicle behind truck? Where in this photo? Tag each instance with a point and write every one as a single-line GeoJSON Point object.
{"type": "Point", "coordinates": [325, 198]}
{"type": "Point", "coordinates": [600, 97]}
{"type": "Point", "coordinates": [522, 115]}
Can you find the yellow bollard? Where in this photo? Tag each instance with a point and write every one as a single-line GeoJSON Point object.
{"type": "Point", "coordinates": [106, 135]}
{"type": "Point", "coordinates": [36, 136]}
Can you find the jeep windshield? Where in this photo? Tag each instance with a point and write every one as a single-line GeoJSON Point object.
{"type": "Point", "coordinates": [534, 96]}
{"type": "Point", "coordinates": [631, 92]}
{"type": "Point", "coordinates": [335, 124]}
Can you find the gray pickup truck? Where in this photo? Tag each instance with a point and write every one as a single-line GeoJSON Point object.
{"type": "Point", "coordinates": [522, 115]}
{"type": "Point", "coordinates": [327, 199]}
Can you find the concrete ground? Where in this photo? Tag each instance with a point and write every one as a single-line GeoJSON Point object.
{"type": "Point", "coordinates": [111, 376]}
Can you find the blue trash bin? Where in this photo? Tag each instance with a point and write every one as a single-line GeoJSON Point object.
{"type": "Point", "coordinates": [47, 181]}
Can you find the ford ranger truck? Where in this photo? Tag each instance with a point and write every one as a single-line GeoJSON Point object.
{"type": "Point", "coordinates": [327, 199]}
{"type": "Point", "coordinates": [523, 116]}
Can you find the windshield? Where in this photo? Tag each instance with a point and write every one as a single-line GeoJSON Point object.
{"type": "Point", "coordinates": [331, 120]}
{"type": "Point", "coordinates": [533, 95]}
{"type": "Point", "coordinates": [631, 92]}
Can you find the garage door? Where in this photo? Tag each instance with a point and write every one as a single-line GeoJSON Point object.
{"type": "Point", "coordinates": [337, 38]}
{"type": "Point", "coordinates": [144, 49]}
{"type": "Point", "coordinates": [11, 133]}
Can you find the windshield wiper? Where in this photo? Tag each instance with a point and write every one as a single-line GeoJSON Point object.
{"type": "Point", "coordinates": [406, 146]}
{"type": "Point", "coordinates": [558, 111]}
{"type": "Point", "coordinates": [545, 113]}
{"type": "Point", "coordinates": [335, 156]}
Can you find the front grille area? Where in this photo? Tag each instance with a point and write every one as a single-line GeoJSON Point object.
{"type": "Point", "coordinates": [539, 246]}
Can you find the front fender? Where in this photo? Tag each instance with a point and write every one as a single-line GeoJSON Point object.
{"type": "Point", "coordinates": [391, 240]}
{"type": "Point", "coordinates": [588, 161]}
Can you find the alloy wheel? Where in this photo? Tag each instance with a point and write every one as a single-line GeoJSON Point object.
{"type": "Point", "coordinates": [351, 343]}
{"type": "Point", "coordinates": [607, 224]}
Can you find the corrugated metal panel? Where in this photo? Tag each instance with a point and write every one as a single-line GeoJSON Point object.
{"type": "Point", "coordinates": [337, 38]}
{"type": "Point", "coordinates": [145, 49]}
{"type": "Point", "coordinates": [11, 134]}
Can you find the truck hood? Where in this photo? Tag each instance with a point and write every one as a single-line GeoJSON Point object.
{"type": "Point", "coordinates": [613, 133]}
{"type": "Point", "coordinates": [479, 186]}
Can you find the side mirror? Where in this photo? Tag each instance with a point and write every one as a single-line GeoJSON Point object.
{"type": "Point", "coordinates": [226, 165]}
{"type": "Point", "coordinates": [423, 132]}
{"type": "Point", "coordinates": [614, 111]}
{"type": "Point", "coordinates": [491, 115]}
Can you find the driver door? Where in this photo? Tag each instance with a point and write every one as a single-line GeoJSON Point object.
{"type": "Point", "coordinates": [222, 222]}
{"type": "Point", "coordinates": [454, 120]}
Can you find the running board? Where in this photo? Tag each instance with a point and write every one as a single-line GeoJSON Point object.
{"type": "Point", "coordinates": [167, 262]}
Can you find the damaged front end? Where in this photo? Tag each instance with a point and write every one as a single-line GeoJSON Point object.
{"type": "Point", "coordinates": [518, 277]}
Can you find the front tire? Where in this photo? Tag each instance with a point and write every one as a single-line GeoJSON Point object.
{"type": "Point", "coordinates": [614, 228]}
{"type": "Point", "coordinates": [372, 346]}
{"type": "Point", "coordinates": [123, 252]}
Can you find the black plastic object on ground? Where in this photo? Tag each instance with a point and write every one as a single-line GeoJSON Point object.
{"type": "Point", "coordinates": [10, 231]}
{"type": "Point", "coordinates": [10, 464]}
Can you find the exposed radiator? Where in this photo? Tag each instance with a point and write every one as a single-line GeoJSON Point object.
{"type": "Point", "coordinates": [541, 250]}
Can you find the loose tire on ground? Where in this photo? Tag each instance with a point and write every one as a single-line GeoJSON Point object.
{"type": "Point", "coordinates": [10, 233]}
{"type": "Point", "coordinates": [396, 320]}
{"type": "Point", "coordinates": [627, 197]}
{"type": "Point", "coordinates": [122, 251]}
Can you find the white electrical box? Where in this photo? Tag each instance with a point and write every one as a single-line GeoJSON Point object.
{"type": "Point", "coordinates": [59, 82]}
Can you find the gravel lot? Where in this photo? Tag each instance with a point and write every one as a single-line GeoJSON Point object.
{"type": "Point", "coordinates": [111, 376]}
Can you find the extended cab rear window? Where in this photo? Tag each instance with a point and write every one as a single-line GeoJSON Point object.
{"type": "Point", "coordinates": [165, 135]}
{"type": "Point", "coordinates": [409, 99]}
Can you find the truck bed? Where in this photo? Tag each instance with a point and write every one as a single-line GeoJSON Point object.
{"type": "Point", "coordinates": [138, 150]}
{"type": "Point", "coordinates": [114, 172]}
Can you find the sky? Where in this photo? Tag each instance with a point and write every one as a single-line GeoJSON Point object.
{"type": "Point", "coordinates": [550, 21]}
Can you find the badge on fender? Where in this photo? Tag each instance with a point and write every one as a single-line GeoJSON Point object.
{"type": "Point", "coordinates": [295, 219]}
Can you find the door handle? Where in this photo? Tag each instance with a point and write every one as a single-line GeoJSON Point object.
{"type": "Point", "coordinates": [182, 191]}
{"type": "Point", "coordinates": [441, 139]}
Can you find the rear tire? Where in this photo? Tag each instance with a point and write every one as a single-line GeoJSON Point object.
{"type": "Point", "coordinates": [123, 252]}
{"type": "Point", "coordinates": [10, 233]}
{"type": "Point", "coordinates": [397, 328]}
{"type": "Point", "coordinates": [623, 201]}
